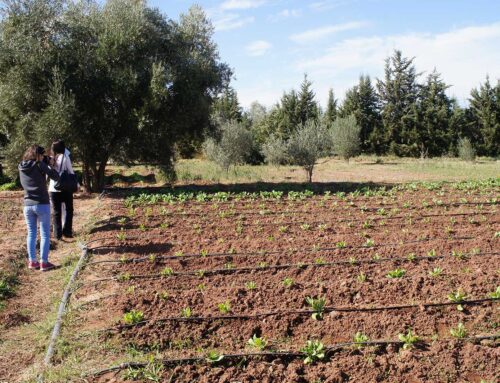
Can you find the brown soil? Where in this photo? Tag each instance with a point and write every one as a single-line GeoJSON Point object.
{"type": "Point", "coordinates": [190, 237]}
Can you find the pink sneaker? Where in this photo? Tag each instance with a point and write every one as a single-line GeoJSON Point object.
{"type": "Point", "coordinates": [33, 265]}
{"type": "Point", "coordinates": [46, 266]}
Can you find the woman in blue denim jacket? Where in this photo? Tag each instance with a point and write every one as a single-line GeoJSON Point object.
{"type": "Point", "coordinates": [33, 172]}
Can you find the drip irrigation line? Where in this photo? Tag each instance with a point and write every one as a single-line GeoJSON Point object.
{"type": "Point", "coordinates": [274, 252]}
{"type": "Point", "coordinates": [297, 312]}
{"type": "Point", "coordinates": [63, 304]}
{"type": "Point", "coordinates": [275, 267]}
{"type": "Point", "coordinates": [281, 353]}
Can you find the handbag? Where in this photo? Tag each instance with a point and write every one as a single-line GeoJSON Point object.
{"type": "Point", "coordinates": [67, 181]}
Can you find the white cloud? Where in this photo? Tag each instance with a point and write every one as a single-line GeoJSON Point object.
{"type": "Point", "coordinates": [258, 48]}
{"type": "Point", "coordinates": [228, 21]}
{"type": "Point", "coordinates": [241, 4]}
{"type": "Point", "coordinates": [316, 34]}
{"type": "Point", "coordinates": [464, 56]}
{"type": "Point", "coordinates": [286, 14]}
{"type": "Point", "coordinates": [326, 5]}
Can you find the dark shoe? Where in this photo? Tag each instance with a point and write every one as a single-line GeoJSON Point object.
{"type": "Point", "coordinates": [67, 235]}
{"type": "Point", "coordinates": [33, 265]}
{"type": "Point", "coordinates": [46, 266]}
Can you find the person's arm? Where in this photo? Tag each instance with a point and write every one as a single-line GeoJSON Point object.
{"type": "Point", "coordinates": [46, 169]}
{"type": "Point", "coordinates": [69, 165]}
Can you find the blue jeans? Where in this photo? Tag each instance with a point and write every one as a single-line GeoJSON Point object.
{"type": "Point", "coordinates": [32, 215]}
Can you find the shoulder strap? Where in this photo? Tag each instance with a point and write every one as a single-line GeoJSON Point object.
{"type": "Point", "coordinates": [61, 170]}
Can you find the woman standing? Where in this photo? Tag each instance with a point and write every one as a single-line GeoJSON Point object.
{"type": "Point", "coordinates": [62, 163]}
{"type": "Point", "coordinates": [33, 171]}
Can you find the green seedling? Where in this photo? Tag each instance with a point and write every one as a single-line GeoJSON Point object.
{"type": "Point", "coordinates": [359, 339]}
{"type": "Point", "coordinates": [200, 273]}
{"type": "Point", "coordinates": [263, 264]}
{"type": "Point", "coordinates": [122, 221]}
{"type": "Point", "coordinates": [228, 266]}
{"type": "Point", "coordinates": [319, 261]}
{"type": "Point", "coordinates": [457, 297]}
{"type": "Point", "coordinates": [124, 277]}
{"type": "Point", "coordinates": [376, 257]}
{"type": "Point", "coordinates": [367, 225]}
{"type": "Point", "coordinates": [142, 227]}
{"type": "Point", "coordinates": [251, 285]}
{"type": "Point", "coordinates": [458, 254]}
{"type": "Point", "coordinates": [204, 253]}
{"type": "Point", "coordinates": [131, 290]}
{"type": "Point", "coordinates": [411, 257]}
{"type": "Point", "coordinates": [305, 226]}
{"type": "Point", "coordinates": [353, 261]}
{"type": "Point", "coordinates": [322, 227]}
{"type": "Point", "coordinates": [163, 295]}
{"type": "Point", "coordinates": [258, 343]}
{"type": "Point", "coordinates": [370, 242]}
{"type": "Point", "coordinates": [186, 312]}
{"type": "Point", "coordinates": [313, 351]}
{"type": "Point", "coordinates": [288, 282]}
{"type": "Point", "coordinates": [318, 306]}
{"type": "Point", "coordinates": [214, 357]}
{"type": "Point", "coordinates": [167, 271]}
{"type": "Point", "coordinates": [201, 287]}
{"type": "Point", "coordinates": [152, 258]}
{"type": "Point", "coordinates": [496, 235]}
{"type": "Point", "coordinates": [361, 277]}
{"type": "Point", "coordinates": [179, 253]}
{"type": "Point", "coordinates": [283, 229]}
{"type": "Point", "coordinates": [397, 273]}
{"type": "Point", "coordinates": [409, 340]}
{"type": "Point", "coordinates": [495, 294]}
{"type": "Point", "coordinates": [121, 235]}
{"type": "Point", "coordinates": [431, 253]}
{"type": "Point", "coordinates": [133, 317]}
{"type": "Point", "coordinates": [225, 307]}
{"type": "Point", "coordinates": [459, 332]}
{"type": "Point", "coordinates": [436, 272]}
{"type": "Point", "coordinates": [341, 245]}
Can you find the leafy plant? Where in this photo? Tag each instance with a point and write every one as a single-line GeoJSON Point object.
{"type": "Point", "coordinates": [370, 242]}
{"type": "Point", "coordinates": [224, 307]}
{"type": "Point", "coordinates": [283, 229]}
{"type": "Point", "coordinates": [359, 339]}
{"type": "Point", "coordinates": [121, 236]}
{"type": "Point", "coordinates": [495, 294]}
{"type": "Point", "coordinates": [409, 340]}
{"type": "Point", "coordinates": [436, 272]}
{"type": "Point", "coordinates": [314, 351]}
{"type": "Point", "coordinates": [458, 254]}
{"type": "Point", "coordinates": [396, 273]}
{"type": "Point", "coordinates": [251, 285]}
{"type": "Point", "coordinates": [361, 277]}
{"type": "Point", "coordinates": [288, 282]}
{"type": "Point", "coordinates": [305, 226]}
{"type": "Point", "coordinates": [258, 343]}
{"type": "Point", "coordinates": [341, 245]}
{"type": "Point", "coordinates": [352, 261]}
{"type": "Point", "coordinates": [133, 317]}
{"type": "Point", "coordinates": [186, 312]}
{"type": "Point", "coordinates": [214, 357]}
{"type": "Point", "coordinates": [457, 297]}
{"type": "Point", "coordinates": [459, 332]}
{"type": "Point", "coordinates": [318, 306]}
{"type": "Point", "coordinates": [431, 253]}
{"type": "Point", "coordinates": [167, 271]}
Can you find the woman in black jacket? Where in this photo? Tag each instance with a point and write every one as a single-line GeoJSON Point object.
{"type": "Point", "coordinates": [33, 172]}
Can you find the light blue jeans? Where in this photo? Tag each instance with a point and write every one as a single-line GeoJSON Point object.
{"type": "Point", "coordinates": [33, 215]}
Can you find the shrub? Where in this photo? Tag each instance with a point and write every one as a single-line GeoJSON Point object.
{"type": "Point", "coordinates": [345, 137]}
{"type": "Point", "coordinates": [465, 150]}
{"type": "Point", "coordinates": [307, 144]}
{"type": "Point", "coordinates": [235, 147]}
{"type": "Point", "coordinates": [274, 151]}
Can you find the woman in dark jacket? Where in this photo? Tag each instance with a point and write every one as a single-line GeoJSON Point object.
{"type": "Point", "coordinates": [33, 172]}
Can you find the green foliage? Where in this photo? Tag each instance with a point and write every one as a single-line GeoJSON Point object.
{"type": "Point", "coordinates": [288, 282]}
{"type": "Point", "coordinates": [495, 294]}
{"type": "Point", "coordinates": [313, 351]}
{"type": "Point", "coordinates": [186, 312]}
{"type": "Point", "coordinates": [250, 285]}
{"type": "Point", "coordinates": [225, 307]}
{"type": "Point", "coordinates": [457, 297]}
{"type": "Point", "coordinates": [345, 137]}
{"type": "Point", "coordinates": [466, 151]}
{"type": "Point", "coordinates": [396, 273]}
{"type": "Point", "coordinates": [436, 272]}
{"type": "Point", "coordinates": [214, 357]}
{"type": "Point", "coordinates": [258, 343]}
{"type": "Point", "coordinates": [318, 306]}
{"type": "Point", "coordinates": [409, 340]}
{"type": "Point", "coordinates": [275, 151]}
{"type": "Point", "coordinates": [459, 332]}
{"type": "Point", "coordinates": [153, 371]}
{"type": "Point", "coordinates": [133, 317]}
{"type": "Point", "coordinates": [359, 339]}
{"type": "Point", "coordinates": [167, 271]}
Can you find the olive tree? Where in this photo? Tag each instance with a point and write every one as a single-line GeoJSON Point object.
{"type": "Point", "coordinates": [345, 137]}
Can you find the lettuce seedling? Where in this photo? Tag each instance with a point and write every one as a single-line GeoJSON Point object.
{"type": "Point", "coordinates": [397, 273]}
{"type": "Point", "coordinates": [224, 307]}
{"type": "Point", "coordinates": [258, 343]}
{"type": "Point", "coordinates": [186, 312]}
{"type": "Point", "coordinates": [495, 294]}
{"type": "Point", "coordinates": [459, 332]}
{"type": "Point", "coordinates": [314, 351]}
{"type": "Point", "coordinates": [408, 340]}
{"type": "Point", "coordinates": [214, 357]}
{"type": "Point", "coordinates": [133, 317]}
{"type": "Point", "coordinates": [318, 306]}
{"type": "Point", "coordinates": [359, 339]}
{"type": "Point", "coordinates": [457, 297]}
{"type": "Point", "coordinates": [251, 285]}
{"type": "Point", "coordinates": [288, 282]}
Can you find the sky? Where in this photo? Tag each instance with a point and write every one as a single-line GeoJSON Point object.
{"type": "Point", "coordinates": [271, 44]}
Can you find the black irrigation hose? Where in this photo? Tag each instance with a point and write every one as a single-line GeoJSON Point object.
{"type": "Point", "coordinates": [261, 253]}
{"type": "Point", "coordinates": [278, 267]}
{"type": "Point", "coordinates": [295, 354]}
{"type": "Point", "coordinates": [298, 312]}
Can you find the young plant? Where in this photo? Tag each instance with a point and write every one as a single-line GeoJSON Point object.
{"type": "Point", "coordinates": [459, 332]}
{"type": "Point", "coordinates": [359, 339]}
{"type": "Point", "coordinates": [283, 229]}
{"type": "Point", "coordinates": [411, 257]}
{"type": "Point", "coordinates": [341, 245]}
{"type": "Point", "coordinates": [458, 254]}
{"type": "Point", "coordinates": [186, 312]}
{"type": "Point", "coordinates": [318, 306]}
{"type": "Point", "coordinates": [397, 273]}
{"type": "Point", "coordinates": [313, 351]}
{"type": "Point", "coordinates": [457, 297]}
{"type": "Point", "coordinates": [495, 294]}
{"type": "Point", "coordinates": [258, 343]}
{"type": "Point", "coordinates": [370, 242]}
{"type": "Point", "coordinates": [361, 277]}
{"type": "Point", "coordinates": [214, 357]}
{"type": "Point", "coordinates": [408, 340]}
{"type": "Point", "coordinates": [225, 307]}
{"type": "Point", "coordinates": [133, 317]}
{"type": "Point", "coordinates": [319, 261]}
{"type": "Point", "coordinates": [250, 285]}
{"type": "Point", "coordinates": [288, 282]}
{"type": "Point", "coordinates": [305, 226]}
{"type": "Point", "coordinates": [353, 261]}
{"type": "Point", "coordinates": [121, 236]}
{"type": "Point", "coordinates": [436, 272]}
{"type": "Point", "coordinates": [167, 271]}
{"type": "Point", "coordinates": [431, 253]}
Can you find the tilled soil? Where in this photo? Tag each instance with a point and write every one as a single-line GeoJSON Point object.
{"type": "Point", "coordinates": [261, 259]}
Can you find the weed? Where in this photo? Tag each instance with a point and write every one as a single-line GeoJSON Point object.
{"type": "Point", "coordinates": [318, 306]}
{"type": "Point", "coordinates": [314, 351]}
{"type": "Point", "coordinates": [258, 343]}
{"type": "Point", "coordinates": [225, 307]}
{"type": "Point", "coordinates": [436, 272]}
{"type": "Point", "coordinates": [459, 332]}
{"type": "Point", "coordinates": [186, 312]}
{"type": "Point", "coordinates": [457, 297]}
{"type": "Point", "coordinates": [251, 285]}
{"type": "Point", "coordinates": [359, 339]}
{"type": "Point", "coordinates": [396, 273]}
{"type": "Point", "coordinates": [167, 271]}
{"type": "Point", "coordinates": [133, 317]}
{"type": "Point", "coordinates": [288, 282]}
{"type": "Point", "coordinates": [408, 340]}
{"type": "Point", "coordinates": [214, 357]}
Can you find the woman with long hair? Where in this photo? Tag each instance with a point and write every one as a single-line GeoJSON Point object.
{"type": "Point", "coordinates": [33, 172]}
{"type": "Point", "coordinates": [62, 163]}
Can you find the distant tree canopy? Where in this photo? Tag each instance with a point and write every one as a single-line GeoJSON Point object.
{"type": "Point", "coordinates": [116, 81]}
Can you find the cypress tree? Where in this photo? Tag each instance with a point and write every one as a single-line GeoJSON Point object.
{"type": "Point", "coordinates": [307, 106]}
{"type": "Point", "coordinates": [331, 109]}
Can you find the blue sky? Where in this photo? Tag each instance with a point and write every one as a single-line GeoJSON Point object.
{"type": "Point", "coordinates": [270, 44]}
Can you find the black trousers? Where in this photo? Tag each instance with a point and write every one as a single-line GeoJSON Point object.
{"type": "Point", "coordinates": [60, 228]}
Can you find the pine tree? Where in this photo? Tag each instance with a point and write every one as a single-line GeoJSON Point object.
{"type": "Point", "coordinates": [331, 109]}
{"type": "Point", "coordinates": [362, 102]}
{"type": "Point", "coordinates": [398, 93]}
{"type": "Point", "coordinates": [307, 106]}
{"type": "Point", "coordinates": [227, 107]}
{"type": "Point", "coordinates": [484, 114]}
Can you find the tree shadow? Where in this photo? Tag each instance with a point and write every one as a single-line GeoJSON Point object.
{"type": "Point", "coordinates": [140, 249]}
